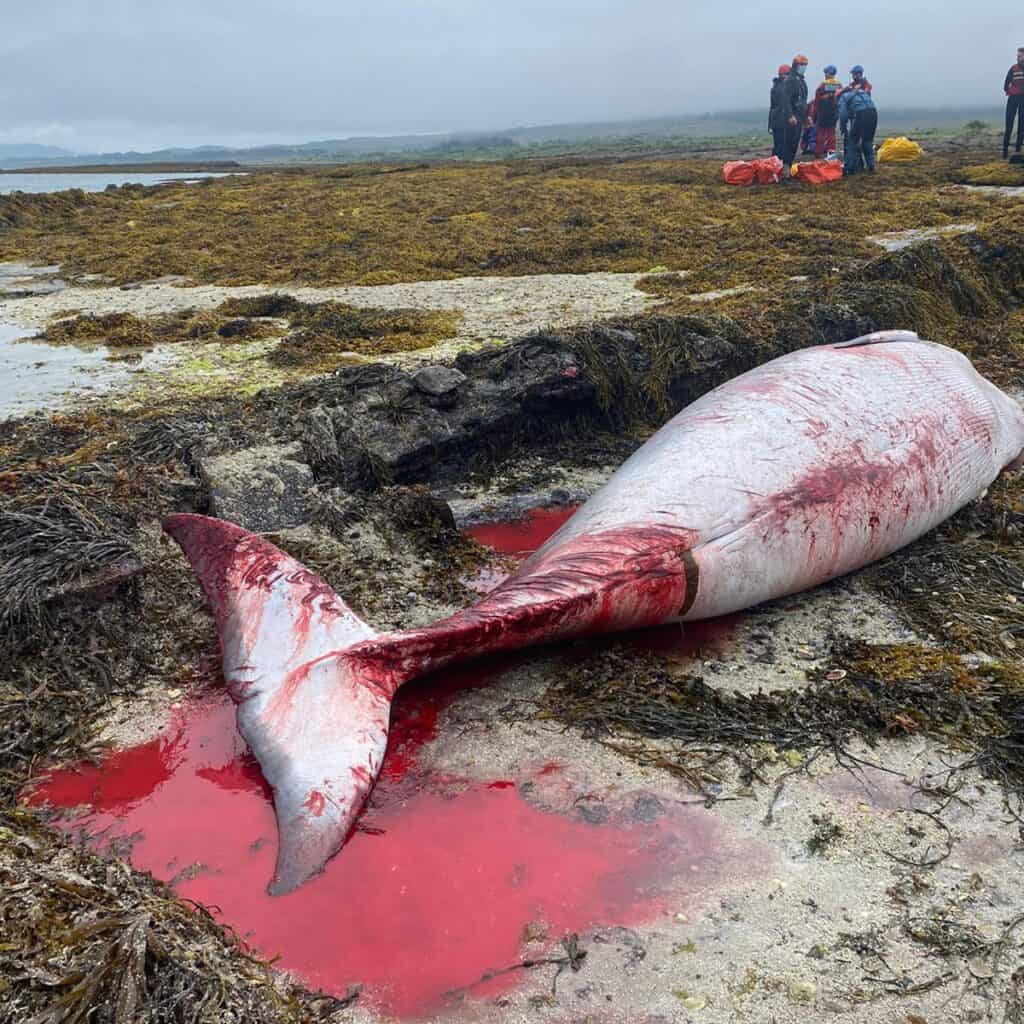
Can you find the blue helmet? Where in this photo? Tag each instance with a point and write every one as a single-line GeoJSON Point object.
{"type": "Point", "coordinates": [830, 70]}
{"type": "Point", "coordinates": [857, 69]}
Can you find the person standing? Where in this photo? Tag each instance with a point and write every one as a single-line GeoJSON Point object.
{"type": "Point", "coordinates": [776, 125]}
{"type": "Point", "coordinates": [858, 121]}
{"type": "Point", "coordinates": [1013, 86]}
{"type": "Point", "coordinates": [793, 111]}
{"type": "Point", "coordinates": [826, 112]}
{"type": "Point", "coordinates": [857, 79]}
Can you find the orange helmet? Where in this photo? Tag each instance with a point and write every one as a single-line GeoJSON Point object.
{"type": "Point", "coordinates": [784, 69]}
{"type": "Point", "coordinates": [800, 59]}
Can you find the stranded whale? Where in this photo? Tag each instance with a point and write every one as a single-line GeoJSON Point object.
{"type": "Point", "coordinates": [796, 472]}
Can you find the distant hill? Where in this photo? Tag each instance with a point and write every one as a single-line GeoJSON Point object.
{"type": "Point", "coordinates": [683, 131]}
{"type": "Point", "coordinates": [31, 151]}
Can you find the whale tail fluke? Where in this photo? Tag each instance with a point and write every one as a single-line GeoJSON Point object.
{"type": "Point", "coordinates": [313, 711]}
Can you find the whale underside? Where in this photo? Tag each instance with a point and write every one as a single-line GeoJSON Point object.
{"type": "Point", "coordinates": [801, 470]}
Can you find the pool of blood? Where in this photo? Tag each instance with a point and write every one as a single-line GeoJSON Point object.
{"type": "Point", "coordinates": [521, 537]}
{"type": "Point", "coordinates": [434, 891]}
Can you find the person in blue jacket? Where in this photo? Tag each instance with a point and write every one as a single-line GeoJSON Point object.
{"type": "Point", "coordinates": [858, 121]}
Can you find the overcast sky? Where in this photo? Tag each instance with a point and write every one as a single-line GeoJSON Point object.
{"type": "Point", "coordinates": [119, 74]}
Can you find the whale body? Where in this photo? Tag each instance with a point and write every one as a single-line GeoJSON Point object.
{"type": "Point", "coordinates": [801, 470]}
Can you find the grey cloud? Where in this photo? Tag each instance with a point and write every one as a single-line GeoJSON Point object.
{"type": "Point", "coordinates": [108, 73]}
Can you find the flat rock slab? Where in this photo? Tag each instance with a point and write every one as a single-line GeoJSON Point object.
{"type": "Point", "coordinates": [26, 288]}
{"type": "Point", "coordinates": [894, 241]}
{"type": "Point", "coordinates": [262, 489]}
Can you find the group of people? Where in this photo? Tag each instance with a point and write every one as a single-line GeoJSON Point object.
{"type": "Point", "coordinates": [794, 116]}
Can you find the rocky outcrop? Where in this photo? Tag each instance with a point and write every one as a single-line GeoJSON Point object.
{"type": "Point", "coordinates": [387, 425]}
{"type": "Point", "coordinates": [263, 489]}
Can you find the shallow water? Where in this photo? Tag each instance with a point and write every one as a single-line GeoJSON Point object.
{"type": "Point", "coordinates": [93, 182]}
{"type": "Point", "coordinates": [38, 376]}
{"type": "Point", "coordinates": [443, 878]}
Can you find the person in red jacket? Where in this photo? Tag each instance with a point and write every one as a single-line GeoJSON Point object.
{"type": "Point", "coordinates": [1013, 86]}
{"type": "Point", "coordinates": [858, 81]}
{"type": "Point", "coordinates": [825, 112]}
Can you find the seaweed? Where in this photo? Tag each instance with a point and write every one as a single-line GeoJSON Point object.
{"type": "Point", "coordinates": [125, 330]}
{"type": "Point", "coordinates": [84, 939]}
{"type": "Point", "coordinates": [440, 222]}
{"type": "Point", "coordinates": [331, 332]}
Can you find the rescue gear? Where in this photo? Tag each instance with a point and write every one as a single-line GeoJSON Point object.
{"type": "Point", "coordinates": [901, 150]}
{"type": "Point", "coordinates": [820, 172]}
{"type": "Point", "coordinates": [753, 172]}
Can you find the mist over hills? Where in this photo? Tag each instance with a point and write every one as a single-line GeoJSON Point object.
{"type": "Point", "coordinates": [683, 131]}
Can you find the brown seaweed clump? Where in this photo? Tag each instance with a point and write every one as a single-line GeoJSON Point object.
{"type": "Point", "coordinates": [996, 173]}
{"type": "Point", "coordinates": [86, 939]}
{"type": "Point", "coordinates": [125, 330]}
{"type": "Point", "coordinates": [330, 331]}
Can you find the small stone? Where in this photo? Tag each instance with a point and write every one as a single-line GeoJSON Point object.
{"type": "Point", "coordinates": [694, 1003]}
{"type": "Point", "coordinates": [802, 991]}
{"type": "Point", "coordinates": [979, 968]}
{"type": "Point", "coordinates": [438, 380]}
{"type": "Point", "coordinates": [681, 918]}
{"type": "Point", "coordinates": [835, 675]}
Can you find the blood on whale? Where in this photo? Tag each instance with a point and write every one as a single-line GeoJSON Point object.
{"type": "Point", "coordinates": [437, 885]}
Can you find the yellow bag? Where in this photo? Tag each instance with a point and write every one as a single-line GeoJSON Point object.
{"type": "Point", "coordinates": [899, 150]}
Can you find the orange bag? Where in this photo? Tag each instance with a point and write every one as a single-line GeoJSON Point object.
{"type": "Point", "coordinates": [821, 172]}
{"type": "Point", "coordinates": [739, 172]}
{"type": "Point", "coordinates": [769, 172]}
{"type": "Point", "coordinates": [754, 172]}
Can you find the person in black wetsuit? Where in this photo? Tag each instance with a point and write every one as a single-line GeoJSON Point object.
{"type": "Point", "coordinates": [793, 110]}
{"type": "Point", "coordinates": [1013, 86]}
{"type": "Point", "coordinates": [775, 123]}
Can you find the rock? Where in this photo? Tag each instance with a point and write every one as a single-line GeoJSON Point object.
{"type": "Point", "coordinates": [390, 426]}
{"type": "Point", "coordinates": [134, 286]}
{"type": "Point", "coordinates": [18, 288]}
{"type": "Point", "coordinates": [262, 489]}
{"type": "Point", "coordinates": [438, 380]}
{"type": "Point", "coordinates": [27, 270]}
{"type": "Point", "coordinates": [647, 809]}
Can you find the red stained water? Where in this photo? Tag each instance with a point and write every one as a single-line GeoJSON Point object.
{"type": "Point", "coordinates": [523, 536]}
{"type": "Point", "coordinates": [435, 888]}
{"type": "Point", "coordinates": [431, 893]}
